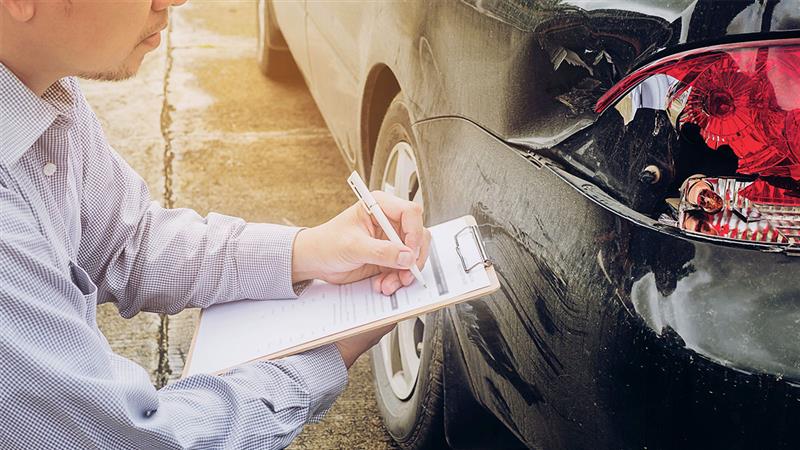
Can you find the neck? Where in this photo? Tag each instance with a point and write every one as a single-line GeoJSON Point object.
{"type": "Point", "coordinates": [37, 81]}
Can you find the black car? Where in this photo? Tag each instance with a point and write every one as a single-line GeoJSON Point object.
{"type": "Point", "coordinates": [634, 167]}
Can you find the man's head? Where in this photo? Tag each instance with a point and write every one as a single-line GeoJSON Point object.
{"type": "Point", "coordinates": [44, 40]}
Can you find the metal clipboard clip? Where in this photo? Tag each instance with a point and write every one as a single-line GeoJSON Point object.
{"type": "Point", "coordinates": [476, 237]}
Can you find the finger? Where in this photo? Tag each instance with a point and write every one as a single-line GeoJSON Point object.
{"type": "Point", "coordinates": [391, 283]}
{"type": "Point", "coordinates": [406, 277]}
{"type": "Point", "coordinates": [408, 214]}
{"type": "Point", "coordinates": [383, 253]}
{"type": "Point", "coordinates": [424, 249]}
{"type": "Point", "coordinates": [376, 282]}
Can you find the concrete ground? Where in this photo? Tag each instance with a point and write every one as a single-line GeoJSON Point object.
{"type": "Point", "coordinates": [207, 131]}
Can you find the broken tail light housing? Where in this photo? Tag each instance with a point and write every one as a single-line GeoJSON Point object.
{"type": "Point", "coordinates": [741, 210]}
{"type": "Point", "coordinates": [745, 97]}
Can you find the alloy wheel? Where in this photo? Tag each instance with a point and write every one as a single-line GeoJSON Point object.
{"type": "Point", "coordinates": [401, 349]}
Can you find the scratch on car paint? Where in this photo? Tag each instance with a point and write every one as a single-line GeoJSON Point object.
{"type": "Point", "coordinates": [549, 277]}
{"type": "Point", "coordinates": [501, 406]}
{"type": "Point", "coordinates": [549, 356]}
{"type": "Point", "coordinates": [431, 74]}
{"type": "Point", "coordinates": [487, 180]}
{"type": "Point", "coordinates": [545, 316]}
{"type": "Point", "coordinates": [481, 329]}
{"type": "Point", "coordinates": [532, 282]}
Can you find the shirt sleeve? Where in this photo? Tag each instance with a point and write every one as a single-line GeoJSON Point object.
{"type": "Point", "coordinates": [61, 386]}
{"type": "Point", "coordinates": [147, 258]}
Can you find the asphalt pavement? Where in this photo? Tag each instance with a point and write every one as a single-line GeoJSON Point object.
{"type": "Point", "coordinates": [207, 131]}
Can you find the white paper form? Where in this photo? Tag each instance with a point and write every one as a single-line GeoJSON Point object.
{"type": "Point", "coordinates": [233, 333]}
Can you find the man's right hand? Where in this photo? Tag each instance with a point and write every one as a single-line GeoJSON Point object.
{"type": "Point", "coordinates": [351, 348]}
{"type": "Point", "coordinates": [352, 247]}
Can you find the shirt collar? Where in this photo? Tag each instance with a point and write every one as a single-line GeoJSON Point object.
{"type": "Point", "coordinates": [25, 116]}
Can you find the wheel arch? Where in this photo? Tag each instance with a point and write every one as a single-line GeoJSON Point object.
{"type": "Point", "coordinates": [380, 88]}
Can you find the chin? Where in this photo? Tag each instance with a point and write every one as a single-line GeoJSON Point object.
{"type": "Point", "coordinates": [124, 71]}
{"type": "Point", "coordinates": [109, 76]}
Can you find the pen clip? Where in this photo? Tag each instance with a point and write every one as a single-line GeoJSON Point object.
{"type": "Point", "coordinates": [361, 199]}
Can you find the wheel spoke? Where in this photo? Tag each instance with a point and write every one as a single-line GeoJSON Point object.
{"type": "Point", "coordinates": [408, 349]}
{"type": "Point", "coordinates": [389, 189]}
{"type": "Point", "coordinates": [385, 345]}
{"type": "Point", "coordinates": [406, 169]}
{"type": "Point", "coordinates": [418, 198]}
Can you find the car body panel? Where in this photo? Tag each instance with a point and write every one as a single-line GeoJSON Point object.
{"type": "Point", "coordinates": [460, 78]}
{"type": "Point", "coordinates": [602, 332]}
{"type": "Point", "coordinates": [291, 16]}
{"type": "Point", "coordinates": [603, 336]}
{"type": "Point", "coordinates": [335, 47]}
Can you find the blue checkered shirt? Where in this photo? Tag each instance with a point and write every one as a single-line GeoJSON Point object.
{"type": "Point", "coordinates": [78, 228]}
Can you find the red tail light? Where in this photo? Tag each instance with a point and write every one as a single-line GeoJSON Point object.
{"type": "Point", "coordinates": [745, 96]}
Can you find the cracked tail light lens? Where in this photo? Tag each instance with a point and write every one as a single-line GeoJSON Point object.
{"type": "Point", "coordinates": [745, 96]}
{"type": "Point", "coordinates": [748, 210]}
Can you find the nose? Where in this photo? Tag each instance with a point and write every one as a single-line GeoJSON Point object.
{"type": "Point", "coordinates": [160, 5]}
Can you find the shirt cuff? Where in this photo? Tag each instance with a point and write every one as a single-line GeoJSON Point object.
{"type": "Point", "coordinates": [325, 375]}
{"type": "Point", "coordinates": [264, 262]}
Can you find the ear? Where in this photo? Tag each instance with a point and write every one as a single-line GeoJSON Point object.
{"type": "Point", "coordinates": [19, 10]}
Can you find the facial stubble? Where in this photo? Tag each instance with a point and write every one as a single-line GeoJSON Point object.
{"type": "Point", "coordinates": [127, 69]}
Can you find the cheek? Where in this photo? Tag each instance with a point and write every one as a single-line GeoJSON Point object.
{"type": "Point", "coordinates": [110, 30]}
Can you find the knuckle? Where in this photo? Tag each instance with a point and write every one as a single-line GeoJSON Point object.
{"type": "Point", "coordinates": [383, 253]}
{"type": "Point", "coordinates": [412, 238]}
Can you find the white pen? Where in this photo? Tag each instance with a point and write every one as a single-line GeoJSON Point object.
{"type": "Point", "coordinates": [372, 206]}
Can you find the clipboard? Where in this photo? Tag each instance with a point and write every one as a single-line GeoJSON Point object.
{"type": "Point", "coordinates": [471, 254]}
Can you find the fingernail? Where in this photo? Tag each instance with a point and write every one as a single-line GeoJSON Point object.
{"type": "Point", "coordinates": [405, 259]}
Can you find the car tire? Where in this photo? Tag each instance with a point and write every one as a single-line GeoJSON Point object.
{"type": "Point", "coordinates": [274, 58]}
{"type": "Point", "coordinates": [415, 422]}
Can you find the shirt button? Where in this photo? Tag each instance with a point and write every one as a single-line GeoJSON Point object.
{"type": "Point", "coordinates": [49, 169]}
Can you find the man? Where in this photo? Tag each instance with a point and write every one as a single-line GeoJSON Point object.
{"type": "Point", "coordinates": [77, 227]}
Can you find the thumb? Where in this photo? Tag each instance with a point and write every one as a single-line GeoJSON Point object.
{"type": "Point", "coordinates": [381, 252]}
